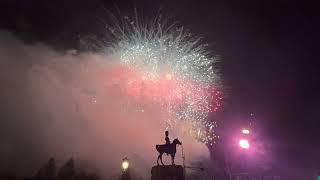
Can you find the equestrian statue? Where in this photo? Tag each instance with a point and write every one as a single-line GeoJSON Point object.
{"type": "Point", "coordinates": [168, 148]}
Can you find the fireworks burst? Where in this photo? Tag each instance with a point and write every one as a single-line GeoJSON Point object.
{"type": "Point", "coordinates": [172, 68]}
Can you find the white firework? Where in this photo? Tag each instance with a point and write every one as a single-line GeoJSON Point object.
{"type": "Point", "coordinates": [158, 49]}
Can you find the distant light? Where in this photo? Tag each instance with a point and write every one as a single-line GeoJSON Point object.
{"type": "Point", "coordinates": [244, 144]}
{"type": "Point", "coordinates": [168, 76]}
{"type": "Point", "coordinates": [125, 164]}
{"type": "Point", "coordinates": [245, 131]}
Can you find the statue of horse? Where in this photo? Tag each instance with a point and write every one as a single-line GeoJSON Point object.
{"type": "Point", "coordinates": [168, 149]}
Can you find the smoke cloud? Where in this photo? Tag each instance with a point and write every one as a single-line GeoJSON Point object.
{"type": "Point", "coordinates": [69, 104]}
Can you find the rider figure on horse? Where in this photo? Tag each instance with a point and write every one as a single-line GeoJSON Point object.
{"type": "Point", "coordinates": [167, 148]}
{"type": "Point", "coordinates": [167, 138]}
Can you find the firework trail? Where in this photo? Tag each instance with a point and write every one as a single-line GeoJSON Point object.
{"type": "Point", "coordinates": [170, 67]}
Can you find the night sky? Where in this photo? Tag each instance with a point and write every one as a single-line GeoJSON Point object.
{"type": "Point", "coordinates": [269, 52]}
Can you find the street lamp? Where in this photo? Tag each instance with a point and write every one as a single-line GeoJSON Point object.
{"type": "Point", "coordinates": [244, 144]}
{"type": "Point", "coordinates": [245, 131]}
{"type": "Point", "coordinates": [125, 169]}
{"type": "Point", "coordinates": [125, 164]}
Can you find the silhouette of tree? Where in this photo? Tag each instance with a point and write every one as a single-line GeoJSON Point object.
{"type": "Point", "coordinates": [67, 170]}
{"type": "Point", "coordinates": [48, 170]}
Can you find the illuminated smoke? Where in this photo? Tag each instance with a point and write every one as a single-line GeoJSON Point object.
{"type": "Point", "coordinates": [102, 107]}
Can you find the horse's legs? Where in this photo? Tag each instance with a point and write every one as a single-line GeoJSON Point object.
{"type": "Point", "coordinates": [161, 159]}
{"type": "Point", "coordinates": [172, 158]}
{"type": "Point", "coordinates": [158, 160]}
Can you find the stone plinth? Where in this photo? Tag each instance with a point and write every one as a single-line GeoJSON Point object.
{"type": "Point", "coordinates": [170, 172]}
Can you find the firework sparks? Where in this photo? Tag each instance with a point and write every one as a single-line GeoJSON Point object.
{"type": "Point", "coordinates": [172, 68]}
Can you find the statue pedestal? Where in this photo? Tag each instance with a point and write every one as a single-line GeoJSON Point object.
{"type": "Point", "coordinates": [170, 172]}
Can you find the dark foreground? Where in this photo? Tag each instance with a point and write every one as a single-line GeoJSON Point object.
{"type": "Point", "coordinates": [170, 172]}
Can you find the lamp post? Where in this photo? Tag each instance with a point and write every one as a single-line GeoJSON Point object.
{"type": "Point", "coordinates": [244, 144]}
{"type": "Point", "coordinates": [125, 164]}
{"type": "Point", "coordinates": [245, 131]}
{"type": "Point", "coordinates": [125, 169]}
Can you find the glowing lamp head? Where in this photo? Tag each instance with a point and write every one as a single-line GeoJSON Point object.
{"type": "Point", "coordinates": [245, 131]}
{"type": "Point", "coordinates": [244, 144]}
{"type": "Point", "coordinates": [168, 76]}
{"type": "Point", "coordinates": [125, 164]}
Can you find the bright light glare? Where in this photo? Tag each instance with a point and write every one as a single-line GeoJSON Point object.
{"type": "Point", "coordinates": [245, 131]}
{"type": "Point", "coordinates": [125, 165]}
{"type": "Point", "coordinates": [168, 76]}
{"type": "Point", "coordinates": [244, 144]}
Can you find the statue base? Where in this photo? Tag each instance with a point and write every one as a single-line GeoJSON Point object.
{"type": "Point", "coordinates": [169, 172]}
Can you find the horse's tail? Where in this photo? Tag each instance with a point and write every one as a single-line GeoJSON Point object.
{"type": "Point", "coordinates": [157, 147]}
